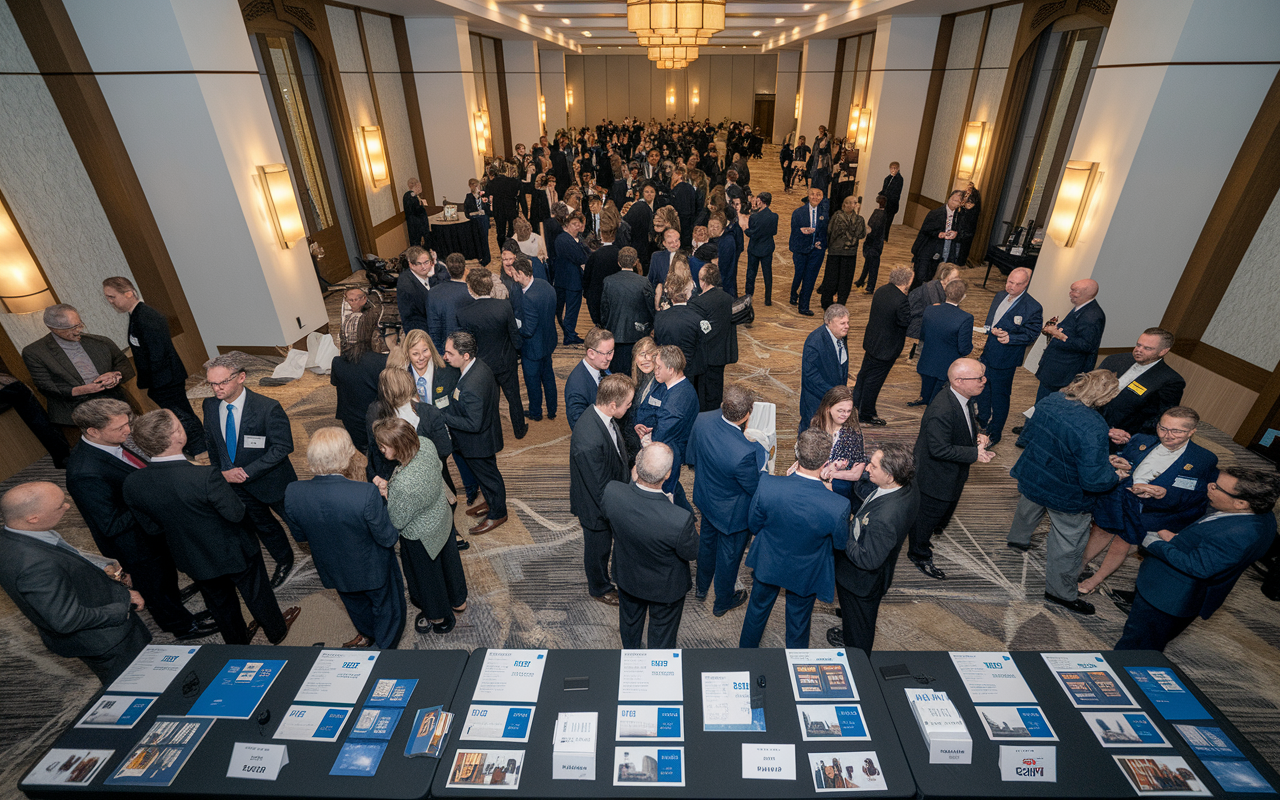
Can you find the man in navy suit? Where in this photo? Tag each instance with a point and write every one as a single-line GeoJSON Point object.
{"type": "Point", "coordinates": [1013, 323]}
{"type": "Point", "coordinates": [676, 409]}
{"type": "Point", "coordinates": [660, 261]}
{"type": "Point", "coordinates": [249, 441]}
{"type": "Point", "coordinates": [684, 200]}
{"type": "Point", "coordinates": [762, 227]}
{"type": "Point", "coordinates": [584, 380]}
{"type": "Point", "coordinates": [797, 521]}
{"type": "Point", "coordinates": [424, 274]}
{"type": "Point", "coordinates": [946, 334]}
{"type": "Point", "coordinates": [597, 456]}
{"type": "Point", "coordinates": [1190, 574]}
{"type": "Point", "coordinates": [808, 245]}
{"type": "Point", "coordinates": [446, 298]}
{"type": "Point", "coordinates": [824, 362]}
{"type": "Point", "coordinates": [1073, 342]}
{"type": "Point", "coordinates": [1148, 386]}
{"type": "Point", "coordinates": [569, 260]}
{"type": "Point", "coordinates": [353, 542]}
{"type": "Point", "coordinates": [727, 468]}
{"type": "Point", "coordinates": [538, 329]}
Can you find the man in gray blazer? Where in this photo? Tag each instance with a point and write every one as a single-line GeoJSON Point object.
{"type": "Point", "coordinates": [70, 366]}
{"type": "Point", "coordinates": [79, 610]}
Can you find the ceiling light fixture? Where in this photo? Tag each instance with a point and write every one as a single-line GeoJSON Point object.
{"type": "Point", "coordinates": [688, 23]}
{"type": "Point", "coordinates": [755, 33]}
{"type": "Point", "coordinates": [565, 21]}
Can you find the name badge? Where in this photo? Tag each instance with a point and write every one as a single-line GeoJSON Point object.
{"type": "Point", "coordinates": [443, 402]}
{"type": "Point", "coordinates": [133, 340]}
{"type": "Point", "coordinates": [457, 393]}
{"type": "Point", "coordinates": [1137, 388]}
{"type": "Point", "coordinates": [653, 401]}
{"type": "Point", "coordinates": [1017, 320]}
{"type": "Point", "coordinates": [257, 442]}
{"type": "Point", "coordinates": [1184, 483]}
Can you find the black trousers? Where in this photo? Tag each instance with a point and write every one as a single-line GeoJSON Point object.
{"type": "Point", "coordinates": [255, 587]}
{"type": "Point", "coordinates": [270, 531]}
{"type": "Point", "coordinates": [664, 621]}
{"type": "Point", "coordinates": [156, 579]}
{"type": "Point", "coordinates": [622, 357]}
{"type": "Point", "coordinates": [1149, 628]}
{"type": "Point", "coordinates": [509, 381]}
{"type": "Point", "coordinates": [870, 269]}
{"type": "Point", "coordinates": [490, 481]}
{"type": "Point", "coordinates": [763, 264]}
{"type": "Point", "coordinates": [858, 618]}
{"type": "Point", "coordinates": [174, 398]}
{"type": "Point", "coordinates": [23, 400]}
{"type": "Point", "coordinates": [838, 279]}
{"type": "Point", "coordinates": [871, 378]}
{"type": "Point", "coordinates": [112, 664]}
{"type": "Point", "coordinates": [934, 514]}
{"type": "Point", "coordinates": [710, 385]}
{"type": "Point", "coordinates": [506, 227]}
{"type": "Point", "coordinates": [596, 546]}
{"type": "Point", "coordinates": [436, 585]}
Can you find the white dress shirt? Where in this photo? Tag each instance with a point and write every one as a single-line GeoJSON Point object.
{"type": "Point", "coordinates": [964, 406]}
{"type": "Point", "coordinates": [222, 413]}
{"type": "Point", "coordinates": [1131, 374]}
{"type": "Point", "coordinates": [1156, 462]}
{"type": "Point", "coordinates": [608, 425]}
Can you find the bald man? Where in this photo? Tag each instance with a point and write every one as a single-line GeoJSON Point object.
{"type": "Point", "coordinates": [1013, 322]}
{"type": "Point", "coordinates": [68, 595]}
{"type": "Point", "coordinates": [1073, 342]}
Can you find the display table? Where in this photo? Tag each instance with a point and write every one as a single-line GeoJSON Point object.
{"type": "Point", "coordinates": [712, 760]}
{"type": "Point", "coordinates": [458, 235]}
{"type": "Point", "coordinates": [1085, 769]}
{"type": "Point", "coordinates": [307, 773]}
{"type": "Point", "coordinates": [1000, 258]}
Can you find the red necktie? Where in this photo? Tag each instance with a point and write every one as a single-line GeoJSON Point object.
{"type": "Point", "coordinates": [132, 459]}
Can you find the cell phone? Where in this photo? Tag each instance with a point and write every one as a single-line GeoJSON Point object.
{"type": "Point", "coordinates": [895, 672]}
{"type": "Point", "coordinates": [577, 684]}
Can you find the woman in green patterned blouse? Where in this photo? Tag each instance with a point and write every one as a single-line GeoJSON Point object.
{"type": "Point", "coordinates": [419, 508]}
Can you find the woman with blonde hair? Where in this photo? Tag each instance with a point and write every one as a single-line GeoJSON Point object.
{"type": "Point", "coordinates": [530, 243]}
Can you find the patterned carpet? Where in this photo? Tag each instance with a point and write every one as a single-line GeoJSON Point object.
{"type": "Point", "coordinates": [527, 589]}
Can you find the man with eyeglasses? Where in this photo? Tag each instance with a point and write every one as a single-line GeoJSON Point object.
{"type": "Point", "coordinates": [1189, 574]}
{"type": "Point", "coordinates": [949, 441]}
{"type": "Point", "coordinates": [411, 289]}
{"type": "Point", "coordinates": [583, 383]}
{"type": "Point", "coordinates": [70, 366]}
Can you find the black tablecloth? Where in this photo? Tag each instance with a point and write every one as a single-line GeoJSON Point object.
{"type": "Point", "coordinates": [712, 760]}
{"type": "Point", "coordinates": [307, 773]}
{"type": "Point", "coordinates": [1084, 768]}
{"type": "Point", "coordinates": [462, 236]}
{"type": "Point", "coordinates": [999, 258]}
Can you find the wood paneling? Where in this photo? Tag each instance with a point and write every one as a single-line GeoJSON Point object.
{"type": "Point", "coordinates": [1220, 402]}
{"type": "Point", "coordinates": [18, 446]}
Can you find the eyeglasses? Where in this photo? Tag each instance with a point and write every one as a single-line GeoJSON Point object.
{"type": "Point", "coordinates": [220, 384]}
{"type": "Point", "coordinates": [979, 378]}
{"type": "Point", "coordinates": [72, 329]}
{"type": "Point", "coordinates": [1216, 487]}
{"type": "Point", "coordinates": [1171, 431]}
{"type": "Point", "coordinates": [602, 352]}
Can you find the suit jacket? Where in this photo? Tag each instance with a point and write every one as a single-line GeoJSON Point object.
{"type": "Point", "coordinates": [357, 387]}
{"type": "Point", "coordinates": [626, 307]}
{"type": "Point", "coordinates": [677, 410]}
{"type": "Point", "coordinates": [1181, 505]}
{"type": "Point", "coordinates": [411, 301]}
{"type": "Point", "coordinates": [682, 326]}
{"type": "Point", "coordinates": [551, 230]}
{"type": "Point", "coordinates": [684, 199]}
{"type": "Point", "coordinates": [653, 542]}
{"type": "Point", "coordinates": [471, 205]}
{"type": "Point", "coordinates": [728, 466]}
{"type": "Point", "coordinates": [76, 608]}
{"type": "Point", "coordinates": [865, 565]}
{"type": "Point", "coordinates": [498, 339]}
{"type": "Point", "coordinates": [805, 243]}
{"type": "Point", "coordinates": [639, 219]}
{"type": "Point", "coordinates": [928, 247]}
{"type": "Point", "coordinates": [720, 343]}
{"type": "Point", "coordinates": [154, 356]}
{"type": "Point", "coordinates": [346, 524]}
{"type": "Point", "coordinates": [197, 513]}
{"type": "Point", "coordinates": [473, 414]}
{"type": "Point", "coordinates": [892, 190]}
{"type": "Point", "coordinates": [560, 168]}
{"type": "Point", "coordinates": [55, 376]}
{"type": "Point", "coordinates": [1140, 404]}
{"type": "Point", "coordinates": [926, 294]}
{"type": "Point", "coordinates": [269, 468]}
{"type": "Point", "coordinates": [515, 295]}
{"type": "Point", "coordinates": [600, 265]}
{"type": "Point", "coordinates": [618, 193]}
{"type": "Point", "coordinates": [659, 265]}
{"type": "Point", "coordinates": [887, 324]}
{"type": "Point", "coordinates": [503, 190]}
{"type": "Point", "coordinates": [945, 448]}
{"type": "Point", "coordinates": [1062, 361]}
{"type": "Point", "coordinates": [594, 461]}
{"type": "Point", "coordinates": [539, 209]}
{"type": "Point", "coordinates": [95, 481]}
{"type": "Point", "coordinates": [539, 328]}
{"type": "Point", "coordinates": [761, 229]}
{"type": "Point", "coordinates": [1022, 322]}
{"type": "Point", "coordinates": [570, 258]}
{"type": "Point", "coordinates": [945, 335]}
{"type": "Point", "coordinates": [797, 522]}
{"type": "Point", "coordinates": [579, 393]}
{"type": "Point", "coordinates": [1193, 574]}
{"type": "Point", "coordinates": [820, 370]}
{"type": "Point", "coordinates": [442, 313]}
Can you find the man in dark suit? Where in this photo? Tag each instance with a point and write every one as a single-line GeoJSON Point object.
{"type": "Point", "coordinates": [936, 243]}
{"type": "Point", "coordinates": [727, 467]}
{"type": "Point", "coordinates": [352, 540]}
{"type": "Point", "coordinates": [249, 442]}
{"type": "Point", "coordinates": [669, 415]}
{"type": "Point", "coordinates": [78, 610]}
{"type": "Point", "coordinates": [892, 191]}
{"type": "Point", "coordinates": [424, 274]}
{"type": "Point", "coordinates": [160, 370]}
{"type": "Point", "coordinates": [626, 188]}
{"type": "Point", "coordinates": [1148, 386]}
{"type": "Point", "coordinates": [583, 382]}
{"type": "Point", "coordinates": [600, 265]}
{"type": "Point", "coordinates": [567, 265]}
{"type": "Point", "coordinates": [96, 473]}
{"type": "Point", "coordinates": [1073, 343]}
{"type": "Point", "coordinates": [1013, 323]}
{"type": "Point", "coordinates": [598, 455]}
{"type": "Point", "coordinates": [626, 307]}
{"type": "Point", "coordinates": [560, 163]}
{"type": "Point", "coordinates": [949, 441]}
{"type": "Point", "coordinates": [808, 245]}
{"type": "Point", "coordinates": [946, 333]}
{"type": "Point", "coordinates": [882, 343]}
{"type": "Point", "coordinates": [504, 188]}
{"type": "Point", "coordinates": [653, 541]}
{"type": "Point", "coordinates": [508, 252]}
{"type": "Point", "coordinates": [681, 325]}
{"type": "Point", "coordinates": [1189, 574]}
{"type": "Point", "coordinates": [498, 341]}
{"type": "Point", "coordinates": [762, 227]}
{"type": "Point", "coordinates": [684, 199]}
{"type": "Point", "coordinates": [202, 520]}
{"type": "Point", "coordinates": [595, 208]}
{"type": "Point", "coordinates": [70, 366]}
{"type": "Point", "coordinates": [866, 563]}
{"type": "Point", "coordinates": [797, 521]}
{"type": "Point", "coordinates": [719, 336]}
{"type": "Point", "coordinates": [417, 221]}
{"type": "Point", "coordinates": [446, 298]}
{"type": "Point", "coordinates": [472, 417]}
{"type": "Point", "coordinates": [639, 220]}
{"type": "Point", "coordinates": [824, 362]}
{"type": "Point", "coordinates": [538, 330]}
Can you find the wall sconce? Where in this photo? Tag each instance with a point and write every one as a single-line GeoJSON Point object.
{"type": "Point", "coordinates": [797, 107]}
{"type": "Point", "coordinates": [1078, 182]}
{"type": "Point", "coordinates": [482, 130]}
{"type": "Point", "coordinates": [854, 113]}
{"type": "Point", "coordinates": [969, 147]}
{"type": "Point", "coordinates": [282, 204]}
{"type": "Point", "coordinates": [695, 97]}
{"type": "Point", "coordinates": [23, 288]}
{"type": "Point", "coordinates": [568, 96]}
{"type": "Point", "coordinates": [864, 128]}
{"type": "Point", "coordinates": [671, 97]}
{"type": "Point", "coordinates": [375, 154]}
{"type": "Point", "coordinates": [542, 109]}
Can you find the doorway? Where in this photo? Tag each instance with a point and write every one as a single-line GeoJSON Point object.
{"type": "Point", "coordinates": [763, 116]}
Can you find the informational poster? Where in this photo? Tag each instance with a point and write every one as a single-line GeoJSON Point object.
{"type": "Point", "coordinates": [391, 692]}
{"type": "Point", "coordinates": [487, 723]}
{"type": "Point", "coordinates": [769, 762]}
{"type": "Point", "coordinates": [1171, 697]}
{"type": "Point", "coordinates": [511, 676]}
{"type": "Point", "coordinates": [116, 711]}
{"type": "Point", "coordinates": [486, 769]}
{"type": "Point", "coordinates": [359, 759]}
{"type": "Point", "coordinates": [847, 772]}
{"type": "Point", "coordinates": [726, 703]}
{"type": "Point", "coordinates": [162, 752]}
{"type": "Point", "coordinates": [237, 690]}
{"type": "Point", "coordinates": [648, 766]}
{"type": "Point", "coordinates": [313, 723]}
{"type": "Point", "coordinates": [1016, 723]}
{"type": "Point", "coordinates": [1124, 729]}
{"type": "Point", "coordinates": [650, 723]}
{"type": "Point", "coordinates": [992, 677]}
{"type": "Point", "coordinates": [820, 675]}
{"type": "Point", "coordinates": [375, 723]}
{"type": "Point", "coordinates": [651, 675]}
{"type": "Point", "coordinates": [821, 722]}
{"type": "Point", "coordinates": [154, 669]}
{"type": "Point", "coordinates": [68, 767]}
{"type": "Point", "coordinates": [1088, 680]}
{"type": "Point", "coordinates": [1160, 775]}
{"type": "Point", "coordinates": [337, 676]}
{"type": "Point", "coordinates": [1223, 759]}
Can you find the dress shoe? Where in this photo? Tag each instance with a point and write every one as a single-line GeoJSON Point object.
{"type": "Point", "coordinates": [551, 415]}
{"type": "Point", "coordinates": [804, 312]}
{"type": "Point", "coordinates": [203, 617]}
{"type": "Point", "coordinates": [575, 340]}
{"type": "Point", "coordinates": [1026, 548]}
{"type": "Point", "coordinates": [868, 291]}
{"type": "Point", "coordinates": [478, 511]}
{"type": "Point", "coordinates": [1079, 606]}
{"type": "Point", "coordinates": [859, 284]}
{"type": "Point", "coordinates": [360, 641]}
{"type": "Point", "coordinates": [993, 442]}
{"type": "Point", "coordinates": [463, 544]}
{"type": "Point", "coordinates": [919, 401]}
{"type": "Point", "coordinates": [421, 624]}
{"type": "Point", "coordinates": [609, 598]}
{"type": "Point", "coordinates": [531, 417]}
{"type": "Point", "coordinates": [879, 423]}
{"type": "Point", "coordinates": [444, 627]}
{"type": "Point", "coordinates": [768, 302]}
{"type": "Point", "coordinates": [487, 525]}
{"type": "Point", "coordinates": [699, 595]}
{"type": "Point", "coordinates": [795, 301]}
{"type": "Point", "coordinates": [739, 597]}
{"type": "Point", "coordinates": [197, 631]}
{"type": "Point", "coordinates": [927, 567]}
{"type": "Point", "coordinates": [291, 615]}
{"type": "Point", "coordinates": [1123, 596]}
{"type": "Point", "coordinates": [188, 592]}
{"type": "Point", "coordinates": [522, 434]}
{"type": "Point", "coordinates": [835, 636]}
{"type": "Point", "coordinates": [1017, 429]}
{"type": "Point", "coordinates": [281, 574]}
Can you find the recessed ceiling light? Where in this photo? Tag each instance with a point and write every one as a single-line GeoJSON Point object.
{"type": "Point", "coordinates": [808, 6]}
{"type": "Point", "coordinates": [755, 33]}
{"type": "Point", "coordinates": [587, 34]}
{"type": "Point", "coordinates": [538, 6]}
{"type": "Point", "coordinates": [779, 20]}
{"type": "Point", "coordinates": [565, 21]}
{"type": "Point", "coordinates": [796, 29]}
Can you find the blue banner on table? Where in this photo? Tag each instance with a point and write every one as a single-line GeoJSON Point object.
{"type": "Point", "coordinates": [375, 723]}
{"type": "Point", "coordinates": [237, 690]}
{"type": "Point", "coordinates": [391, 692]}
{"type": "Point", "coordinates": [359, 759]}
{"type": "Point", "coordinates": [1208, 742]}
{"type": "Point", "coordinates": [1171, 698]}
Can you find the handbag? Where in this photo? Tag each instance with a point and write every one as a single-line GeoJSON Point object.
{"type": "Point", "coordinates": [742, 312]}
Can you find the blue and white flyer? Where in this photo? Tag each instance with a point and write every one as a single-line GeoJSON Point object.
{"type": "Point", "coordinates": [1124, 729]}
{"type": "Point", "coordinates": [648, 766]}
{"type": "Point", "coordinates": [497, 723]}
{"type": "Point", "coordinates": [1016, 723]}
{"type": "Point", "coordinates": [237, 690]}
{"type": "Point", "coordinates": [116, 711]}
{"type": "Point", "coordinates": [650, 723]}
{"type": "Point", "coordinates": [821, 722]}
{"type": "Point", "coordinates": [651, 675]}
{"type": "Point", "coordinates": [312, 723]}
{"type": "Point", "coordinates": [337, 676]}
{"type": "Point", "coordinates": [992, 678]}
{"type": "Point", "coordinates": [511, 676]}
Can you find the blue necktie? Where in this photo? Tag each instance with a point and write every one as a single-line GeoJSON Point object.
{"type": "Point", "coordinates": [422, 389]}
{"type": "Point", "coordinates": [231, 432]}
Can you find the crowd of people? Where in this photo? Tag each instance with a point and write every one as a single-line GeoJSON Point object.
{"type": "Point", "coordinates": [652, 245]}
